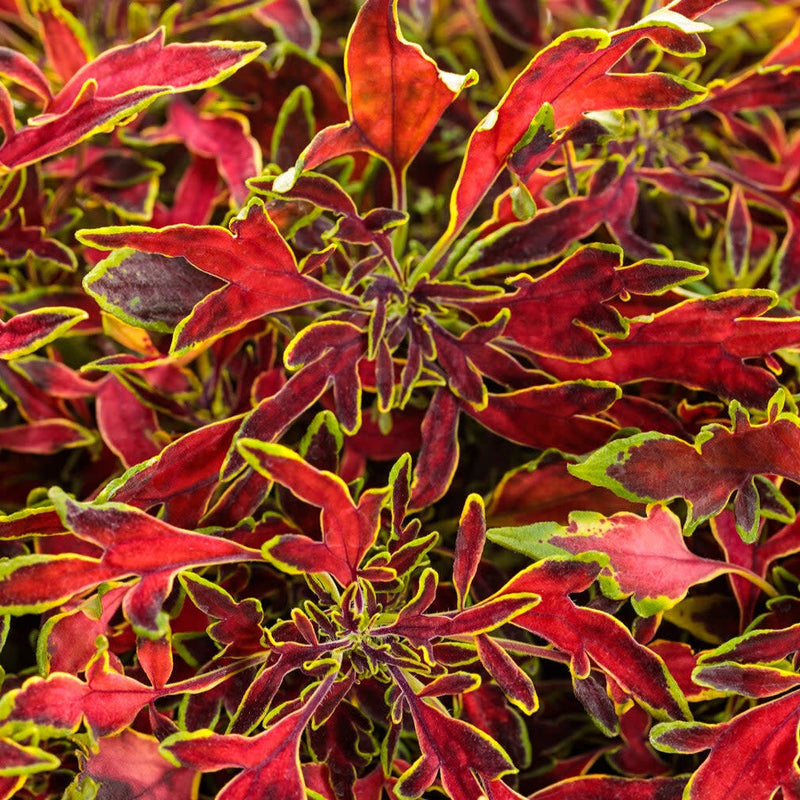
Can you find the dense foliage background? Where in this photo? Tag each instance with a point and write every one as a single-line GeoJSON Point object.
{"type": "Point", "coordinates": [399, 398]}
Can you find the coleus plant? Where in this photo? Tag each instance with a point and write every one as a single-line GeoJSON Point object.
{"type": "Point", "coordinates": [399, 399]}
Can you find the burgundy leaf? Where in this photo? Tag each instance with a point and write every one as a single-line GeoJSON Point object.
{"type": "Point", "coordinates": [127, 425]}
{"type": "Point", "coordinates": [514, 682]}
{"type": "Point", "coordinates": [734, 331]}
{"type": "Point", "coordinates": [588, 635]}
{"type": "Point", "coordinates": [469, 546]}
{"type": "Point", "coordinates": [225, 138]}
{"type": "Point", "coordinates": [653, 467]}
{"type": "Point", "coordinates": [260, 270]}
{"type": "Point", "coordinates": [572, 75]}
{"type": "Point", "coordinates": [606, 787]}
{"type": "Point", "coordinates": [549, 317]}
{"type": "Point", "coordinates": [462, 754]}
{"type": "Point", "coordinates": [269, 761]}
{"type": "Point", "coordinates": [183, 476]}
{"type": "Point", "coordinates": [554, 415]}
{"type": "Point", "coordinates": [107, 700]}
{"type": "Point", "coordinates": [438, 457]}
{"type": "Point", "coordinates": [132, 764]}
{"type": "Point", "coordinates": [133, 543]}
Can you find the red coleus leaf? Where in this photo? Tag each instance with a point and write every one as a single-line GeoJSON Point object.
{"type": "Point", "coordinates": [116, 85]}
{"type": "Point", "coordinates": [238, 624]}
{"type": "Point", "coordinates": [20, 69]}
{"type": "Point", "coordinates": [462, 755]}
{"type": "Point", "coordinates": [44, 437]}
{"type": "Point", "coordinates": [19, 759]}
{"type": "Point", "coordinates": [183, 476]}
{"type": "Point", "coordinates": [588, 635]}
{"type": "Point", "coordinates": [65, 42]}
{"type": "Point", "coordinates": [734, 331]}
{"type": "Point", "coordinates": [766, 733]}
{"type": "Point", "coordinates": [18, 241]}
{"type": "Point", "coordinates": [132, 543]}
{"type": "Point", "coordinates": [293, 20]}
{"type": "Point", "coordinates": [642, 557]}
{"type": "Point", "coordinates": [68, 639]}
{"type": "Point", "coordinates": [438, 456]}
{"type": "Point", "coordinates": [544, 491]}
{"type": "Point", "coordinates": [127, 425]}
{"type": "Point", "coordinates": [515, 683]}
{"type": "Point", "coordinates": [550, 318]}
{"type": "Point", "coordinates": [118, 178]}
{"type": "Point", "coordinates": [469, 546]}
{"type": "Point", "coordinates": [269, 761]}
{"type": "Point", "coordinates": [654, 467]}
{"type": "Point", "coordinates": [149, 290]}
{"type": "Point", "coordinates": [225, 138]}
{"type": "Point", "coordinates": [131, 763]}
{"type": "Point", "coordinates": [380, 64]}
{"type": "Point", "coordinates": [572, 75]}
{"type": "Point", "coordinates": [260, 270]}
{"type": "Point", "coordinates": [555, 415]}
{"type": "Point", "coordinates": [29, 331]}
{"type": "Point", "coordinates": [349, 529]}
{"type": "Point", "coordinates": [324, 192]}
{"type": "Point", "coordinates": [107, 701]}
{"type": "Point", "coordinates": [756, 556]}
{"type": "Point", "coordinates": [610, 199]}
{"type": "Point", "coordinates": [606, 787]}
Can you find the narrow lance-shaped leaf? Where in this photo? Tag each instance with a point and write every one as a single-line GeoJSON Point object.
{"type": "Point", "coordinates": [469, 546]}
{"type": "Point", "coordinates": [29, 331]}
{"type": "Point", "coordinates": [642, 557]}
{"type": "Point", "coordinates": [438, 456]}
{"type": "Point", "coordinates": [607, 787]}
{"type": "Point", "coordinates": [512, 679]}
{"type": "Point", "coordinates": [19, 759]}
{"type": "Point", "coordinates": [181, 478]}
{"type": "Point", "coordinates": [655, 467]}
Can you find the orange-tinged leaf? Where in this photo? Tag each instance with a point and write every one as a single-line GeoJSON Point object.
{"type": "Point", "coordinates": [395, 93]}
